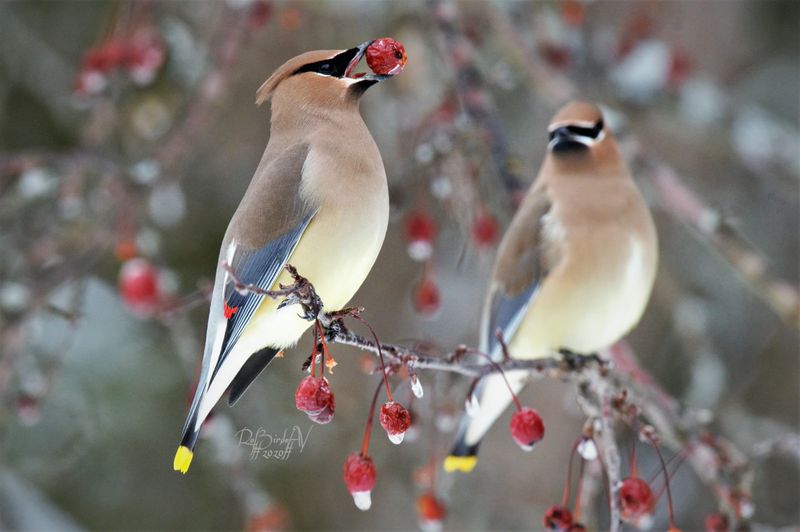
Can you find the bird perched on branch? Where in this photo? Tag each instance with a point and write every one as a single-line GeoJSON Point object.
{"type": "Point", "coordinates": [575, 269]}
{"type": "Point", "coordinates": [318, 200]}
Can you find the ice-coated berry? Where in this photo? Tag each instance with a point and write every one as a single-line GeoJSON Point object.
{"type": "Point", "coordinates": [527, 427]}
{"type": "Point", "coordinates": [386, 56]}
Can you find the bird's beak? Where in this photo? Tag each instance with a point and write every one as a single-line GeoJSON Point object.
{"type": "Point", "coordinates": [357, 53]}
{"type": "Point", "coordinates": [563, 140]}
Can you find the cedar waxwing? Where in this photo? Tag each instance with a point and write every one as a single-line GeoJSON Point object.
{"type": "Point", "coordinates": [318, 200]}
{"type": "Point", "coordinates": [574, 271]}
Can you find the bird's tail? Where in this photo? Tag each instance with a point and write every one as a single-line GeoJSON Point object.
{"type": "Point", "coordinates": [463, 456]}
{"type": "Point", "coordinates": [494, 396]}
{"type": "Point", "coordinates": [189, 435]}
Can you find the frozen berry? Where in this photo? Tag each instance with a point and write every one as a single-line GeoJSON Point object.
{"type": "Point", "coordinates": [139, 287]}
{"type": "Point", "coordinates": [636, 501]}
{"type": "Point", "coordinates": [395, 420]}
{"type": "Point", "coordinates": [430, 511]}
{"type": "Point", "coordinates": [359, 477]}
{"type": "Point", "coordinates": [527, 427]}
{"type": "Point", "coordinates": [315, 398]}
{"type": "Point", "coordinates": [420, 234]}
{"type": "Point", "coordinates": [717, 522]}
{"type": "Point", "coordinates": [558, 518]}
{"type": "Point", "coordinates": [426, 297]}
{"type": "Point", "coordinates": [484, 229]}
{"type": "Point", "coordinates": [386, 56]}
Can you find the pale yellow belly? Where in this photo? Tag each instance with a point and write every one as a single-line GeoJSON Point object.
{"type": "Point", "coordinates": [586, 306]}
{"type": "Point", "coordinates": [336, 254]}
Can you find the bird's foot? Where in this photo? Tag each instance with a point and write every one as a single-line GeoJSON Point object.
{"type": "Point", "coordinates": [577, 361]}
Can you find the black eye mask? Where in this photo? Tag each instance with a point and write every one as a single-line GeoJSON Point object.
{"type": "Point", "coordinates": [589, 132]}
{"type": "Point", "coordinates": [335, 66]}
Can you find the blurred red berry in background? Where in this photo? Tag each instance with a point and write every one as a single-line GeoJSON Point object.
{"type": "Point", "coordinates": [139, 286]}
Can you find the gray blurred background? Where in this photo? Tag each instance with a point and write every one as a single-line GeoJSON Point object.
{"type": "Point", "coordinates": [151, 158]}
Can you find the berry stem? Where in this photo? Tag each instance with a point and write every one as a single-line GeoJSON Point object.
{"type": "Point", "coordinates": [576, 514]}
{"type": "Point", "coordinates": [326, 355]}
{"type": "Point", "coordinates": [632, 457]}
{"type": "Point", "coordinates": [368, 430]}
{"type": "Point", "coordinates": [666, 479]}
{"type": "Point", "coordinates": [314, 356]}
{"type": "Point", "coordinates": [565, 498]}
{"type": "Point", "coordinates": [669, 463]}
{"type": "Point", "coordinates": [497, 367]}
{"type": "Point", "coordinates": [380, 355]}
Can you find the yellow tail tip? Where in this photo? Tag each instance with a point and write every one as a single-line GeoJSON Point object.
{"type": "Point", "coordinates": [465, 464]}
{"type": "Point", "coordinates": [183, 458]}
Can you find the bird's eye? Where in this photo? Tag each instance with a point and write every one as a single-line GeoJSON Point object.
{"type": "Point", "coordinates": [324, 68]}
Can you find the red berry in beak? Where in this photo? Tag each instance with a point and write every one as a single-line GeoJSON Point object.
{"type": "Point", "coordinates": [527, 427]}
{"type": "Point", "coordinates": [395, 420]}
{"type": "Point", "coordinates": [558, 518]}
{"type": "Point", "coordinates": [636, 501]}
{"type": "Point", "coordinates": [386, 56]}
{"type": "Point", "coordinates": [359, 477]}
{"type": "Point", "coordinates": [315, 398]}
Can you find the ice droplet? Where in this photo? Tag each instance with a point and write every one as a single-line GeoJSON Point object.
{"type": "Point", "coordinates": [424, 154]}
{"type": "Point", "coordinates": [471, 405]}
{"type": "Point", "coordinates": [416, 387]}
{"type": "Point", "coordinates": [527, 448]}
{"type": "Point", "coordinates": [362, 499]}
{"type": "Point", "coordinates": [747, 509]}
{"type": "Point", "coordinates": [645, 522]}
{"type": "Point", "coordinates": [441, 188]}
{"type": "Point", "coordinates": [396, 439]}
{"type": "Point", "coordinates": [430, 525]}
{"type": "Point", "coordinates": [36, 182]}
{"type": "Point", "coordinates": [587, 449]}
{"type": "Point", "coordinates": [167, 204]}
{"type": "Point", "coordinates": [420, 250]}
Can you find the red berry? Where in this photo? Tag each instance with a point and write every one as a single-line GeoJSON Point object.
{"type": "Point", "coordinates": [717, 522]}
{"type": "Point", "coordinates": [359, 477]}
{"type": "Point", "coordinates": [558, 518]}
{"type": "Point", "coordinates": [386, 56]}
{"type": "Point", "coordinates": [138, 286]}
{"type": "Point", "coordinates": [144, 57]}
{"type": "Point", "coordinates": [29, 409]}
{"type": "Point", "coordinates": [572, 12]}
{"type": "Point", "coordinates": [315, 398]}
{"type": "Point", "coordinates": [680, 68]}
{"type": "Point", "coordinates": [636, 500]}
{"type": "Point", "coordinates": [420, 234]}
{"type": "Point", "coordinates": [272, 517]}
{"type": "Point", "coordinates": [484, 229]}
{"type": "Point", "coordinates": [260, 13]}
{"type": "Point", "coordinates": [395, 420]}
{"type": "Point", "coordinates": [427, 298]}
{"type": "Point", "coordinates": [527, 427]}
{"type": "Point", "coordinates": [430, 510]}
{"type": "Point", "coordinates": [420, 226]}
{"type": "Point", "coordinates": [125, 249]}
{"type": "Point", "coordinates": [105, 58]}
